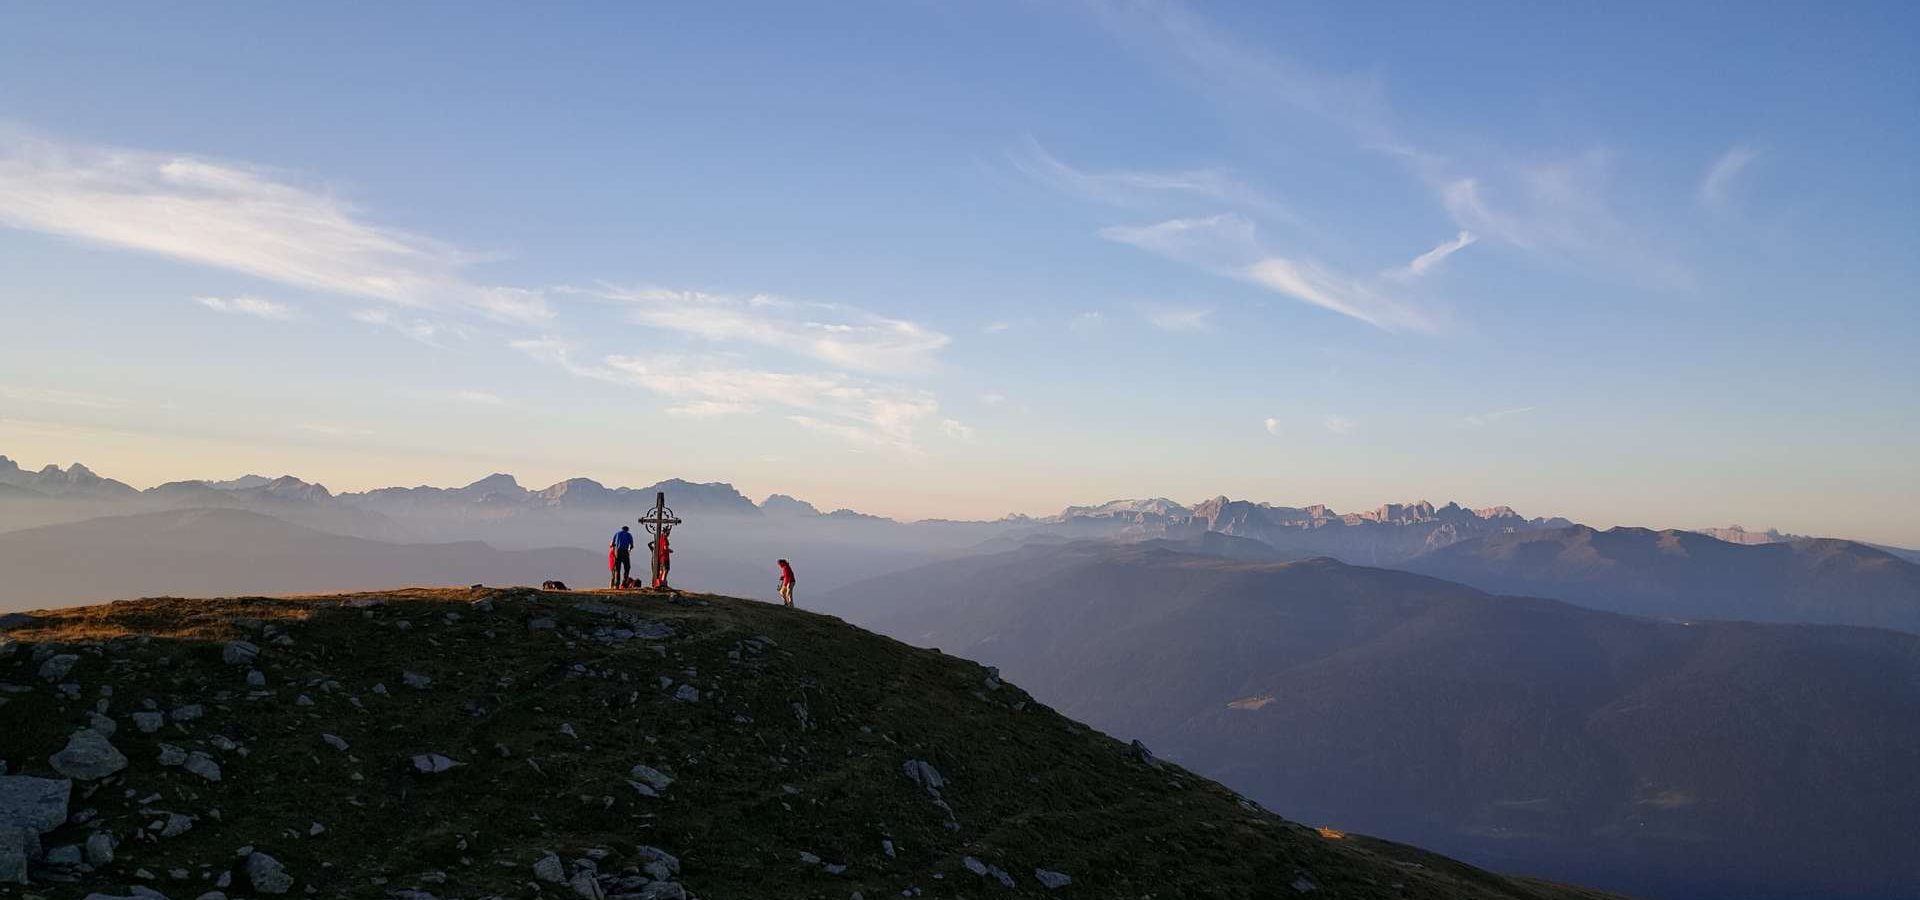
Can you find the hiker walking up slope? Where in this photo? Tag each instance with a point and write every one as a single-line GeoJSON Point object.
{"type": "Point", "coordinates": [786, 583]}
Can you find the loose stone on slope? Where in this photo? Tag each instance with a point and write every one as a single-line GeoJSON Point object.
{"type": "Point", "coordinates": [267, 874]}
{"type": "Point", "coordinates": [239, 653]}
{"type": "Point", "coordinates": [88, 756]}
{"type": "Point", "coordinates": [431, 763]}
{"type": "Point", "coordinates": [57, 666]}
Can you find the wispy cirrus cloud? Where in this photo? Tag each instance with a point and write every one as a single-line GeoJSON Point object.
{"type": "Point", "coordinates": [248, 306]}
{"type": "Point", "coordinates": [1561, 206]}
{"type": "Point", "coordinates": [1178, 318]}
{"type": "Point", "coordinates": [329, 429]}
{"type": "Point", "coordinates": [832, 333]}
{"type": "Point", "coordinates": [1339, 424]}
{"type": "Point", "coordinates": [414, 327]}
{"type": "Point", "coordinates": [1481, 420]}
{"type": "Point", "coordinates": [1426, 262]}
{"type": "Point", "coordinates": [1137, 187]}
{"type": "Point", "coordinates": [846, 407]}
{"type": "Point", "coordinates": [239, 218]}
{"type": "Point", "coordinates": [1716, 185]}
{"type": "Point", "coordinates": [1227, 245]}
{"type": "Point", "coordinates": [58, 397]}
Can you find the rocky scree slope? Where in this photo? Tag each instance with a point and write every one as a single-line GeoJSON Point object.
{"type": "Point", "coordinates": [517, 743]}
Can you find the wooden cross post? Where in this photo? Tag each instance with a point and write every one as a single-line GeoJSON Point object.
{"type": "Point", "coordinates": [659, 522]}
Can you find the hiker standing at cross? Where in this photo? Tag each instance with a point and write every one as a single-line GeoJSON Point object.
{"type": "Point", "coordinates": [659, 522]}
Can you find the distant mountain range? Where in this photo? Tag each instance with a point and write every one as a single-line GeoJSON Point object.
{"type": "Point", "coordinates": [1668, 574]}
{"type": "Point", "coordinates": [208, 552]}
{"type": "Point", "coordinates": [1686, 575]}
{"type": "Point", "coordinates": [1714, 760]}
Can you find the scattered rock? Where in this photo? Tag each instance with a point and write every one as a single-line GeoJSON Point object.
{"type": "Point", "coordinates": [1052, 880]}
{"type": "Point", "coordinates": [586, 885]}
{"type": "Point", "coordinates": [982, 869]}
{"type": "Point", "coordinates": [174, 825]}
{"type": "Point", "coordinates": [256, 678]}
{"type": "Point", "coordinates": [651, 777]}
{"type": "Point", "coordinates": [172, 756]}
{"type": "Point", "coordinates": [416, 680]}
{"type": "Point", "coordinates": [431, 763]}
{"type": "Point", "coordinates": [548, 868]}
{"type": "Point", "coordinates": [1303, 885]}
{"type": "Point", "coordinates": [202, 765]}
{"type": "Point", "coordinates": [657, 863]}
{"type": "Point", "coordinates": [37, 804]}
{"type": "Point", "coordinates": [240, 653]}
{"type": "Point", "coordinates": [16, 844]}
{"type": "Point", "coordinates": [57, 666]}
{"type": "Point", "coordinates": [541, 624]}
{"type": "Point", "coordinates": [148, 722]}
{"type": "Point", "coordinates": [335, 741]}
{"type": "Point", "coordinates": [1141, 753]}
{"type": "Point", "coordinates": [88, 756]}
{"type": "Point", "coordinates": [687, 693]}
{"type": "Point", "coordinates": [189, 712]}
{"type": "Point", "coordinates": [103, 724]}
{"type": "Point", "coordinates": [925, 775]}
{"type": "Point", "coordinates": [99, 848]}
{"type": "Point", "coordinates": [267, 874]}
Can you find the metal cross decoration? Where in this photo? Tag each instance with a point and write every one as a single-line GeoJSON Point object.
{"type": "Point", "coordinates": [659, 522]}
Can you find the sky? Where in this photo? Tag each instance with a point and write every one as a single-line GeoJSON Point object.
{"type": "Point", "coordinates": [1648, 265]}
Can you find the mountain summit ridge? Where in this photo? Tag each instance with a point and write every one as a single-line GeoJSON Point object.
{"type": "Point", "coordinates": [633, 748]}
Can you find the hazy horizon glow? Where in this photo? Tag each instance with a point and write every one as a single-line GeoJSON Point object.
{"type": "Point", "coordinates": [1556, 260]}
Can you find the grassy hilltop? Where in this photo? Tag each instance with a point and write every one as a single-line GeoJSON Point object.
{"type": "Point", "coordinates": [442, 743]}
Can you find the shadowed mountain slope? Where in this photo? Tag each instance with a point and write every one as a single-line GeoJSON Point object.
{"type": "Point", "coordinates": [397, 744]}
{"type": "Point", "coordinates": [1709, 760]}
{"type": "Point", "coordinates": [1685, 575]}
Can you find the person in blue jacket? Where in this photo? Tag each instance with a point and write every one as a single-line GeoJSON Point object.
{"type": "Point", "coordinates": [622, 555]}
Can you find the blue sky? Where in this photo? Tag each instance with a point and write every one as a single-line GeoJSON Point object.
{"type": "Point", "coordinates": [1648, 266]}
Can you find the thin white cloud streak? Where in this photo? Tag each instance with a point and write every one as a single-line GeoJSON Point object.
{"type": "Point", "coordinates": [331, 430]}
{"type": "Point", "coordinates": [416, 328]}
{"type": "Point", "coordinates": [1717, 184]}
{"type": "Point", "coordinates": [239, 218]}
{"type": "Point", "coordinates": [1339, 424]}
{"type": "Point", "coordinates": [57, 397]}
{"type": "Point", "coordinates": [1123, 187]}
{"type": "Point", "coordinates": [1488, 418]}
{"type": "Point", "coordinates": [1179, 318]}
{"type": "Point", "coordinates": [1557, 207]}
{"type": "Point", "coordinates": [1086, 322]}
{"type": "Point", "coordinates": [953, 428]}
{"type": "Point", "coordinates": [831, 333]}
{"type": "Point", "coordinates": [1226, 245]}
{"type": "Point", "coordinates": [1426, 262]}
{"type": "Point", "coordinates": [828, 403]}
{"type": "Point", "coordinates": [248, 306]}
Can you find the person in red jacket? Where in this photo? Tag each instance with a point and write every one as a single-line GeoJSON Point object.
{"type": "Point", "coordinates": [786, 583]}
